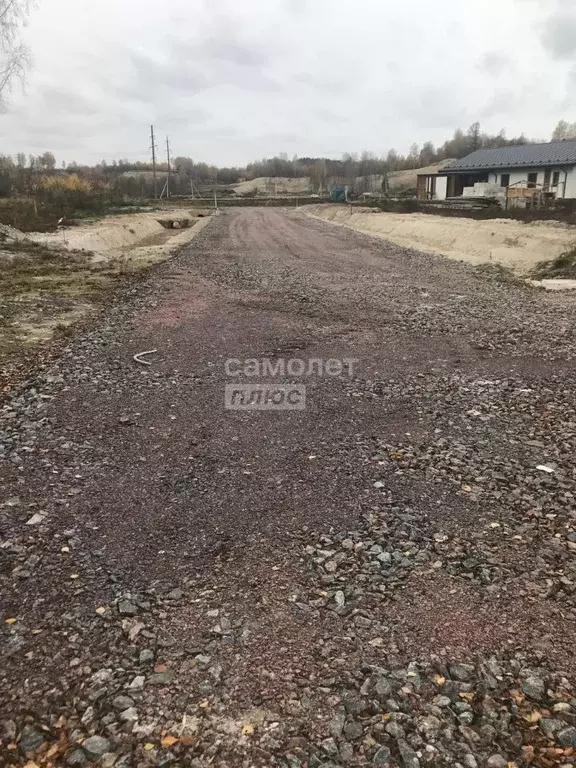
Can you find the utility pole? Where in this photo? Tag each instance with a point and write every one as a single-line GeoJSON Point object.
{"type": "Point", "coordinates": [153, 147]}
{"type": "Point", "coordinates": [168, 156]}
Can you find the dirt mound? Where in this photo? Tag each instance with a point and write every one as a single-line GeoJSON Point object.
{"type": "Point", "coordinates": [274, 185]}
{"type": "Point", "coordinates": [513, 244]}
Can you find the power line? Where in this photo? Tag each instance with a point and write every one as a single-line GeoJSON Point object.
{"type": "Point", "coordinates": [168, 157]}
{"type": "Point", "coordinates": [153, 147]}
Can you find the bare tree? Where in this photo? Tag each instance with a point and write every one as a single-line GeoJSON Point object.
{"type": "Point", "coordinates": [14, 54]}
{"type": "Point", "coordinates": [564, 130]}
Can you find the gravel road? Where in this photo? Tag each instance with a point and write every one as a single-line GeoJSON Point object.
{"type": "Point", "coordinates": [385, 578]}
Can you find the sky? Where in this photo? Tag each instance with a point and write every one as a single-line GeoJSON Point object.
{"type": "Point", "coordinates": [232, 81]}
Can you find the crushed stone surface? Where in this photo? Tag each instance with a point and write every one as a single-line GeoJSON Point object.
{"type": "Point", "coordinates": [386, 578]}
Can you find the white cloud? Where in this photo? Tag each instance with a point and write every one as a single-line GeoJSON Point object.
{"type": "Point", "coordinates": [232, 81]}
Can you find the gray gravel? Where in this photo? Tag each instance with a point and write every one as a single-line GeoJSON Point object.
{"type": "Point", "coordinates": [385, 579]}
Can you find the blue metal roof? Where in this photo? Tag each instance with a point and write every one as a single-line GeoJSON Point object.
{"type": "Point", "coordinates": [552, 153]}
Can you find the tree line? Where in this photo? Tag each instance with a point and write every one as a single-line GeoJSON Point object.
{"type": "Point", "coordinates": [27, 174]}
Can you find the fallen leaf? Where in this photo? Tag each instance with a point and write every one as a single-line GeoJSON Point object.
{"type": "Point", "coordinates": [187, 741]}
{"type": "Point", "coordinates": [517, 696]}
{"type": "Point", "coordinates": [533, 717]}
{"type": "Point", "coordinates": [160, 668]}
{"type": "Point", "coordinates": [439, 679]}
{"type": "Point", "coordinates": [148, 746]}
{"type": "Point", "coordinates": [168, 741]}
{"type": "Point", "coordinates": [101, 610]}
{"type": "Point", "coordinates": [31, 764]}
{"type": "Point", "coordinates": [204, 704]}
{"type": "Point", "coordinates": [74, 575]}
{"type": "Point", "coordinates": [467, 696]}
{"type": "Point", "coordinates": [467, 488]}
{"type": "Point", "coordinates": [527, 754]}
{"type": "Point", "coordinates": [247, 729]}
{"type": "Point", "coordinates": [11, 621]}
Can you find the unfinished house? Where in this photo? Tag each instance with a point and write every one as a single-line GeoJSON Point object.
{"type": "Point", "coordinates": [523, 174]}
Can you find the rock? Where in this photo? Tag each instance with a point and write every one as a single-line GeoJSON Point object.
{"type": "Point", "coordinates": [129, 715]}
{"type": "Point", "coordinates": [8, 731]}
{"type": "Point", "coordinates": [551, 725]}
{"type": "Point", "coordinates": [429, 726]}
{"type": "Point", "coordinates": [395, 730]}
{"type": "Point", "coordinates": [126, 608]}
{"type": "Point", "coordinates": [146, 656]}
{"type": "Point", "coordinates": [76, 758]}
{"type": "Point", "coordinates": [330, 747]}
{"type": "Point", "coordinates": [382, 758]}
{"type": "Point", "coordinates": [567, 737]}
{"type": "Point", "coordinates": [462, 672]}
{"type": "Point", "coordinates": [353, 703]}
{"type": "Point", "coordinates": [534, 688]}
{"type": "Point", "coordinates": [382, 689]}
{"type": "Point", "coordinates": [160, 678]}
{"type": "Point", "coordinates": [95, 746]}
{"type": "Point", "coordinates": [36, 519]}
{"type": "Point", "coordinates": [175, 594]}
{"type": "Point", "coordinates": [31, 738]}
{"type": "Point", "coordinates": [120, 703]}
{"type": "Point", "coordinates": [353, 731]}
{"type": "Point", "coordinates": [137, 683]}
{"type": "Point", "coordinates": [496, 761]}
{"type": "Point", "coordinates": [408, 755]}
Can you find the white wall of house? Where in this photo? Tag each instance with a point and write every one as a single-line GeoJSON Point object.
{"type": "Point", "coordinates": [441, 185]}
{"type": "Point", "coordinates": [521, 175]}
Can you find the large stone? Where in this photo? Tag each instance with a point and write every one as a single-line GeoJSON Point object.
{"type": "Point", "coordinates": [496, 761]}
{"type": "Point", "coordinates": [353, 731]}
{"type": "Point", "coordinates": [126, 608]}
{"type": "Point", "coordinates": [567, 737]}
{"type": "Point", "coordinates": [382, 689]}
{"type": "Point", "coordinates": [353, 703]}
{"type": "Point", "coordinates": [462, 672]}
{"type": "Point", "coordinates": [408, 755]}
{"type": "Point", "coordinates": [534, 688]}
{"type": "Point", "coordinates": [76, 758]}
{"type": "Point", "coordinates": [120, 703]}
{"type": "Point", "coordinates": [95, 746]}
{"type": "Point", "coordinates": [551, 725]}
{"type": "Point", "coordinates": [31, 739]}
{"type": "Point", "coordinates": [382, 758]}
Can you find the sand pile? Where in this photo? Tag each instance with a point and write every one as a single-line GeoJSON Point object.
{"type": "Point", "coordinates": [513, 244]}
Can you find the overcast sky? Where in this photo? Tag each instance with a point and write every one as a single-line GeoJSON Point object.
{"type": "Point", "coordinates": [235, 80]}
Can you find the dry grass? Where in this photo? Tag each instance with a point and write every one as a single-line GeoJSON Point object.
{"type": "Point", "coordinates": [44, 292]}
{"type": "Point", "coordinates": [562, 266]}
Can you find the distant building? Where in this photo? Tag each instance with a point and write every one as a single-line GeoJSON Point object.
{"type": "Point", "coordinates": [549, 169]}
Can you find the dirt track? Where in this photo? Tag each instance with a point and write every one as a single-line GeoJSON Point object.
{"type": "Point", "coordinates": [296, 588]}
